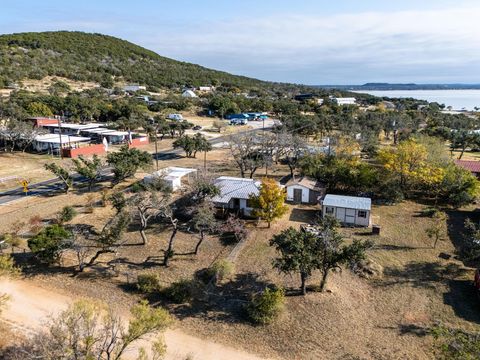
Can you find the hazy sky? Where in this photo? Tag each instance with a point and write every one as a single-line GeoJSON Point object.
{"type": "Point", "coordinates": [303, 41]}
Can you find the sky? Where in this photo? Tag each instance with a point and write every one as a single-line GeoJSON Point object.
{"type": "Point", "coordinates": [312, 42]}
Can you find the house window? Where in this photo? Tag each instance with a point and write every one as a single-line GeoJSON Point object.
{"type": "Point", "coordinates": [362, 214]}
{"type": "Point", "coordinates": [329, 210]}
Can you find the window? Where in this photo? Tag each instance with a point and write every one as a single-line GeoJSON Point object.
{"type": "Point", "coordinates": [329, 210]}
{"type": "Point", "coordinates": [362, 214]}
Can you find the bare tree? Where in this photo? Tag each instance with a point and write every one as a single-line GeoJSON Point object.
{"type": "Point", "coordinates": [204, 222]}
{"type": "Point", "coordinates": [147, 205]}
{"type": "Point", "coordinates": [247, 153]}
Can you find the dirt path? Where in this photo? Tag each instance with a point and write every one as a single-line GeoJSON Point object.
{"type": "Point", "coordinates": [30, 306]}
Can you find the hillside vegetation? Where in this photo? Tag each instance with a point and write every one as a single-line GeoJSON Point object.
{"type": "Point", "coordinates": [101, 58]}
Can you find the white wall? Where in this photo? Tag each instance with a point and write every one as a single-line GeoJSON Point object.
{"type": "Point", "coordinates": [305, 193]}
{"type": "Point", "coordinates": [339, 214]}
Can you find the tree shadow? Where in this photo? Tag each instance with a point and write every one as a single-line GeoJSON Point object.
{"type": "Point", "coordinates": [224, 302]}
{"type": "Point", "coordinates": [394, 247]}
{"type": "Point", "coordinates": [304, 215]}
{"type": "Point", "coordinates": [456, 229]}
{"type": "Point", "coordinates": [460, 294]}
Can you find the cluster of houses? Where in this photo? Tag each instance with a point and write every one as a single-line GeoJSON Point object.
{"type": "Point", "coordinates": [235, 193]}
{"type": "Point", "coordinates": [340, 101]}
{"type": "Point", "coordinates": [80, 139]}
{"type": "Point", "coordinates": [243, 118]}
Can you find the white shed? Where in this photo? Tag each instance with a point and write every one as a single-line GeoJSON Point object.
{"type": "Point", "coordinates": [172, 176]}
{"type": "Point", "coordinates": [189, 94]}
{"type": "Point", "coordinates": [349, 210]}
{"type": "Point", "coordinates": [304, 190]}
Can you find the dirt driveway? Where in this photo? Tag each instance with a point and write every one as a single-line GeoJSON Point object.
{"type": "Point", "coordinates": [30, 306]}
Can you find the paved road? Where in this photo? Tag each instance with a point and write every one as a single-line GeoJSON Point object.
{"type": "Point", "coordinates": [51, 186]}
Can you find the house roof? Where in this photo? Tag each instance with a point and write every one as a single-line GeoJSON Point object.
{"type": "Point", "coordinates": [170, 173]}
{"type": "Point", "coordinates": [470, 165]}
{"type": "Point", "coordinates": [306, 182]}
{"type": "Point", "coordinates": [349, 202]}
{"type": "Point", "coordinates": [55, 139]}
{"type": "Point", "coordinates": [235, 188]}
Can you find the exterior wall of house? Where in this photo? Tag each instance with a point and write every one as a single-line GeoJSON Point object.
{"type": "Point", "coordinates": [348, 216]}
{"type": "Point", "coordinates": [242, 206]}
{"type": "Point", "coordinates": [305, 193]}
{"type": "Point", "coordinates": [97, 149]}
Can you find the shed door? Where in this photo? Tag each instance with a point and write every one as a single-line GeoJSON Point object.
{"type": "Point", "coordinates": [297, 195]}
{"type": "Point", "coordinates": [341, 214]}
{"type": "Point", "coordinates": [350, 216]}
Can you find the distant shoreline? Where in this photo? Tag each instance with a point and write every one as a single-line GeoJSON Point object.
{"type": "Point", "coordinates": [391, 87]}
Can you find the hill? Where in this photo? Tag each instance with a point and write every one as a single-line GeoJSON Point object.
{"type": "Point", "coordinates": [101, 58]}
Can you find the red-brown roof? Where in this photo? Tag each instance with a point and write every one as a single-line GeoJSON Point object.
{"type": "Point", "coordinates": [470, 165]}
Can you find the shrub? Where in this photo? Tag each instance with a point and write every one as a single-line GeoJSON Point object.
{"type": "Point", "coordinates": [90, 204]}
{"type": "Point", "coordinates": [148, 283]}
{"type": "Point", "coordinates": [7, 266]}
{"type": "Point", "coordinates": [49, 242]}
{"type": "Point", "coordinates": [137, 187]}
{"type": "Point", "coordinates": [222, 269]}
{"type": "Point", "coordinates": [265, 307]}
{"type": "Point", "coordinates": [429, 212]}
{"type": "Point", "coordinates": [181, 291]}
{"type": "Point", "coordinates": [35, 223]}
{"type": "Point", "coordinates": [66, 214]}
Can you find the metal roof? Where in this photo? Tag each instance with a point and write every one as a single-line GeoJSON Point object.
{"type": "Point", "coordinates": [470, 165]}
{"type": "Point", "coordinates": [349, 202]}
{"type": "Point", "coordinates": [55, 139]}
{"type": "Point", "coordinates": [235, 188]}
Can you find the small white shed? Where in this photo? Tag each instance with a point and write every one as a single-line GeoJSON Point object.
{"type": "Point", "coordinates": [172, 176]}
{"type": "Point", "coordinates": [304, 190]}
{"type": "Point", "coordinates": [189, 94]}
{"type": "Point", "coordinates": [349, 210]}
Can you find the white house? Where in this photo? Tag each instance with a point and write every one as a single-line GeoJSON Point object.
{"type": "Point", "coordinates": [304, 190]}
{"type": "Point", "coordinates": [171, 175]}
{"type": "Point", "coordinates": [51, 142]}
{"type": "Point", "coordinates": [133, 88]}
{"type": "Point", "coordinates": [234, 193]}
{"type": "Point", "coordinates": [189, 94]}
{"type": "Point", "coordinates": [206, 88]}
{"type": "Point", "coordinates": [349, 210]}
{"type": "Point", "coordinates": [345, 101]}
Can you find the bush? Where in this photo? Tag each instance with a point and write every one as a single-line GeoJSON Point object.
{"type": "Point", "coordinates": [137, 187]}
{"type": "Point", "coordinates": [265, 307]}
{"type": "Point", "coordinates": [148, 283]}
{"type": "Point", "coordinates": [222, 269]}
{"type": "Point", "coordinates": [7, 266]}
{"type": "Point", "coordinates": [66, 214]}
{"type": "Point", "coordinates": [181, 291]}
{"type": "Point", "coordinates": [49, 242]}
{"type": "Point", "coordinates": [429, 212]}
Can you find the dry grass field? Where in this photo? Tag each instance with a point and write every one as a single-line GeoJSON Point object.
{"type": "Point", "coordinates": [384, 316]}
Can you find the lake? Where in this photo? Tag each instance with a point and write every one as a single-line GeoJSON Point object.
{"type": "Point", "coordinates": [457, 99]}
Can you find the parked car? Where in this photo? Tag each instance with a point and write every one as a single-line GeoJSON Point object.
{"type": "Point", "coordinates": [177, 117]}
{"type": "Point", "coordinates": [198, 127]}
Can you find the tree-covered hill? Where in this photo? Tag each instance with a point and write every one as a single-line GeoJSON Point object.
{"type": "Point", "coordinates": [100, 58]}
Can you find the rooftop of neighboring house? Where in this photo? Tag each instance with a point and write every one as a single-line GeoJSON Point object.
{"type": "Point", "coordinates": [306, 182]}
{"type": "Point", "coordinates": [470, 165]}
{"type": "Point", "coordinates": [235, 188]}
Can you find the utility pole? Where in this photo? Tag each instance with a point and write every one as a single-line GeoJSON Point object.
{"type": "Point", "coordinates": [156, 146]}
{"type": "Point", "coordinates": [60, 135]}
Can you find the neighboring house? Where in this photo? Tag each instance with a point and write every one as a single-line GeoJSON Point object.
{"type": "Point", "coordinates": [189, 94]}
{"type": "Point", "coordinates": [304, 190]}
{"type": "Point", "coordinates": [50, 143]}
{"type": "Point", "coordinates": [349, 210]}
{"type": "Point", "coordinates": [133, 88]}
{"type": "Point", "coordinates": [345, 101]}
{"type": "Point", "coordinates": [177, 117]}
{"type": "Point", "coordinates": [173, 176]}
{"type": "Point", "coordinates": [206, 88]}
{"type": "Point", "coordinates": [470, 165]}
{"type": "Point", "coordinates": [42, 121]}
{"type": "Point", "coordinates": [235, 194]}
